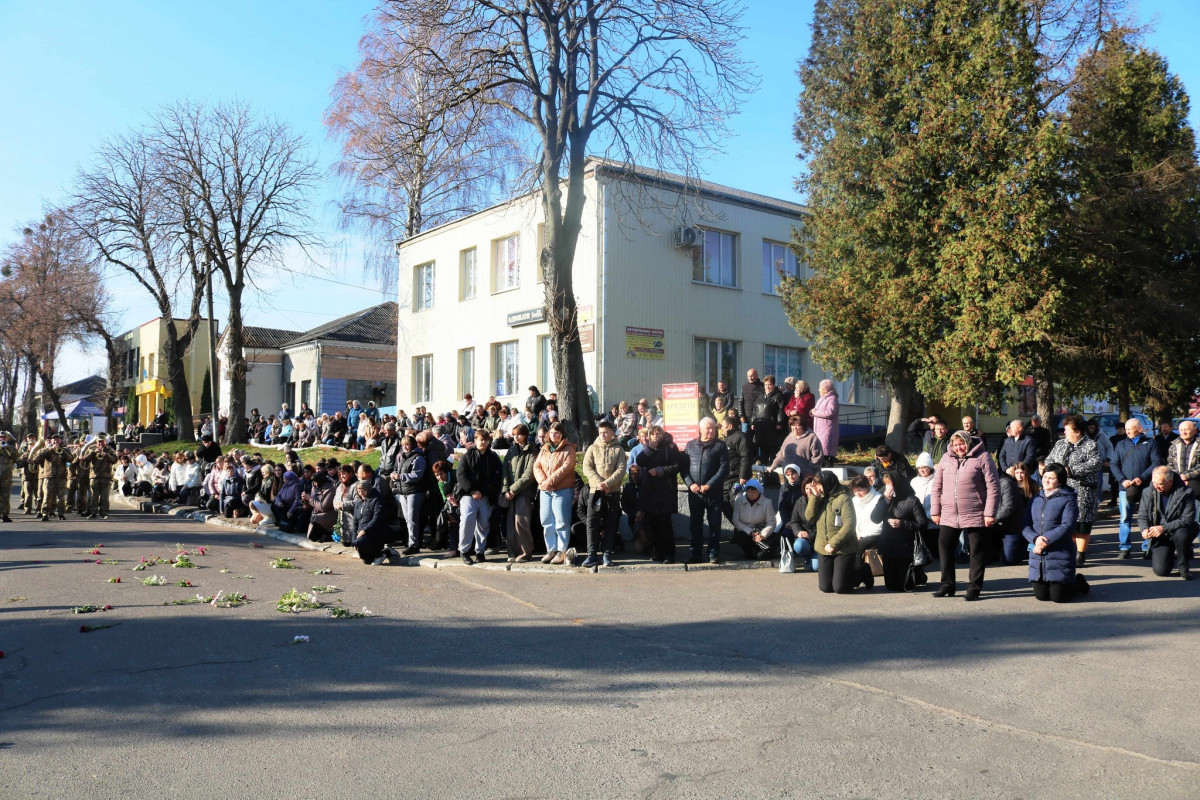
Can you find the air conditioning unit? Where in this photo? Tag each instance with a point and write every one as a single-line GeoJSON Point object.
{"type": "Point", "coordinates": [688, 236]}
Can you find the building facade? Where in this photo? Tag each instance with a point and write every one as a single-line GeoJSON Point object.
{"type": "Point", "coordinates": [351, 358]}
{"type": "Point", "coordinates": [145, 367]}
{"type": "Point", "coordinates": [674, 285]}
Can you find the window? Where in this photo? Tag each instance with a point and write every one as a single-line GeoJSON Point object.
{"type": "Point", "coordinates": [715, 360]}
{"type": "Point", "coordinates": [776, 258]}
{"type": "Point", "coordinates": [546, 366]}
{"type": "Point", "coordinates": [504, 368]}
{"type": "Point", "coordinates": [506, 263]}
{"type": "Point", "coordinates": [423, 287]}
{"type": "Point", "coordinates": [305, 393]}
{"type": "Point", "coordinates": [289, 396]}
{"type": "Point", "coordinates": [782, 362]}
{"type": "Point", "coordinates": [422, 378]}
{"type": "Point", "coordinates": [466, 274]}
{"type": "Point", "coordinates": [713, 263]}
{"type": "Point", "coordinates": [466, 371]}
{"type": "Point", "coordinates": [848, 389]}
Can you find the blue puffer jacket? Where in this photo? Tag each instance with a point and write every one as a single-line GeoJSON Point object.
{"type": "Point", "coordinates": [1053, 517]}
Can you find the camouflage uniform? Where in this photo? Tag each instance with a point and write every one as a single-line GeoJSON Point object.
{"type": "Point", "coordinates": [29, 482]}
{"type": "Point", "coordinates": [101, 460]}
{"type": "Point", "coordinates": [72, 480]}
{"type": "Point", "coordinates": [83, 481]}
{"type": "Point", "coordinates": [52, 477]}
{"type": "Point", "coordinates": [8, 457]}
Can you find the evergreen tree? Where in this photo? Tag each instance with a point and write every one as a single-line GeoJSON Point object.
{"type": "Point", "coordinates": [933, 183]}
{"type": "Point", "coordinates": [1133, 232]}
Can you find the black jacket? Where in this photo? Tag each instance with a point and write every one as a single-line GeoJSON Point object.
{"type": "Point", "coordinates": [1022, 450]}
{"type": "Point", "coordinates": [1180, 509]}
{"type": "Point", "coordinates": [705, 463]}
{"type": "Point", "coordinates": [898, 542]}
{"type": "Point", "coordinates": [657, 494]}
{"type": "Point", "coordinates": [900, 470]}
{"type": "Point", "coordinates": [1010, 511]}
{"type": "Point", "coordinates": [752, 394]}
{"type": "Point", "coordinates": [740, 458]}
{"type": "Point", "coordinates": [369, 514]}
{"type": "Point", "coordinates": [480, 472]}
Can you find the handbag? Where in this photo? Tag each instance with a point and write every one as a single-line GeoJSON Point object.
{"type": "Point", "coordinates": [914, 578]}
{"type": "Point", "coordinates": [787, 558]}
{"type": "Point", "coordinates": [875, 562]}
{"type": "Point", "coordinates": [921, 556]}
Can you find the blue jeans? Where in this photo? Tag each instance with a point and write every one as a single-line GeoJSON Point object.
{"type": "Point", "coordinates": [803, 548]}
{"type": "Point", "coordinates": [1126, 527]}
{"type": "Point", "coordinates": [556, 518]}
{"type": "Point", "coordinates": [700, 507]}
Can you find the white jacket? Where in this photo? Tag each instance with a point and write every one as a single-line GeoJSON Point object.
{"type": "Point", "coordinates": [756, 518]}
{"type": "Point", "coordinates": [868, 532]}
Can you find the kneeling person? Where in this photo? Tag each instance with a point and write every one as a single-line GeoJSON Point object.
{"type": "Point", "coordinates": [1167, 517]}
{"type": "Point", "coordinates": [754, 523]}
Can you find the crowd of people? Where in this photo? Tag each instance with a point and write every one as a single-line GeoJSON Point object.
{"type": "Point", "coordinates": [441, 484]}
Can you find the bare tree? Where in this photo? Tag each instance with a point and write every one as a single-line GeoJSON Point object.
{"type": "Point", "coordinates": [410, 158]}
{"type": "Point", "coordinates": [50, 274]}
{"type": "Point", "coordinates": [135, 219]}
{"type": "Point", "coordinates": [248, 180]}
{"type": "Point", "coordinates": [637, 81]}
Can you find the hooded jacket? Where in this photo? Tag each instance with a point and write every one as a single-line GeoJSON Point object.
{"type": "Point", "coordinates": [1054, 517]}
{"type": "Point", "coordinates": [965, 490]}
{"type": "Point", "coordinates": [832, 517]}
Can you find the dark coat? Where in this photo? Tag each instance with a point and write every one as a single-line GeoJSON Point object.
{"type": "Point", "coordinates": [1180, 508]}
{"type": "Point", "coordinates": [323, 512]}
{"type": "Point", "coordinates": [1053, 517]}
{"type": "Point", "coordinates": [231, 488]}
{"type": "Point", "coordinates": [1010, 513]}
{"type": "Point", "coordinates": [752, 395]}
{"type": "Point", "coordinates": [898, 542]}
{"type": "Point", "coordinates": [390, 454]}
{"type": "Point", "coordinates": [1019, 450]}
{"type": "Point", "coordinates": [1135, 460]}
{"type": "Point", "coordinates": [288, 496]}
{"type": "Point", "coordinates": [369, 514]}
{"type": "Point", "coordinates": [740, 458]}
{"type": "Point", "coordinates": [705, 463]}
{"type": "Point", "coordinates": [900, 470]}
{"type": "Point", "coordinates": [657, 494]}
{"type": "Point", "coordinates": [481, 472]}
{"type": "Point", "coordinates": [412, 469]}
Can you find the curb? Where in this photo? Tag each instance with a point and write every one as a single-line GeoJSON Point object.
{"type": "Point", "coordinates": [430, 562]}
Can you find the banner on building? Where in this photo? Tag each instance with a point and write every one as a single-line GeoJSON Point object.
{"type": "Point", "coordinates": [644, 343]}
{"type": "Point", "coordinates": [681, 411]}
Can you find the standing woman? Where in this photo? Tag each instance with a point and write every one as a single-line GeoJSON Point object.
{"type": "Point", "coordinates": [963, 499]}
{"type": "Point", "coordinates": [1048, 526]}
{"type": "Point", "coordinates": [1013, 544]}
{"type": "Point", "coordinates": [411, 471]}
{"type": "Point", "coordinates": [1081, 458]}
{"type": "Point", "coordinates": [554, 471]}
{"type": "Point", "coordinates": [520, 489]}
{"type": "Point", "coordinates": [830, 510]}
{"type": "Point", "coordinates": [825, 420]}
{"type": "Point", "coordinates": [802, 404]}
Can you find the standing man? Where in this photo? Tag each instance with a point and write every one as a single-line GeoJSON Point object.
{"type": "Point", "coordinates": [52, 477]}
{"type": "Point", "coordinates": [1133, 465]}
{"type": "Point", "coordinates": [774, 403]}
{"type": "Point", "coordinates": [741, 462]}
{"type": "Point", "coordinates": [968, 425]}
{"type": "Point", "coordinates": [8, 457]}
{"type": "Point", "coordinates": [1042, 438]}
{"type": "Point", "coordinates": [1184, 459]}
{"type": "Point", "coordinates": [725, 395]}
{"type": "Point", "coordinates": [704, 467]}
{"type": "Point", "coordinates": [101, 458]}
{"type": "Point", "coordinates": [937, 442]}
{"type": "Point", "coordinates": [920, 430]}
{"type": "Point", "coordinates": [29, 484]}
{"type": "Point", "coordinates": [604, 471]}
{"type": "Point", "coordinates": [752, 394]}
{"type": "Point", "coordinates": [389, 450]}
{"type": "Point", "coordinates": [1018, 448]}
{"type": "Point", "coordinates": [83, 481]}
{"type": "Point", "coordinates": [1165, 437]}
{"type": "Point", "coordinates": [480, 476]}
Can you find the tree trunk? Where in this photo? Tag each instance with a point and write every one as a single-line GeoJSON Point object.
{"type": "Point", "coordinates": [1045, 398]}
{"type": "Point", "coordinates": [557, 259]}
{"type": "Point", "coordinates": [112, 391]}
{"type": "Point", "coordinates": [11, 382]}
{"type": "Point", "coordinates": [48, 391]}
{"type": "Point", "coordinates": [235, 432]}
{"type": "Point", "coordinates": [1123, 399]}
{"type": "Point", "coordinates": [177, 377]}
{"type": "Point", "coordinates": [30, 413]}
{"type": "Point", "coordinates": [902, 392]}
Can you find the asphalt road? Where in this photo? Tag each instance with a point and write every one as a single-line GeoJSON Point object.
{"type": "Point", "coordinates": [474, 684]}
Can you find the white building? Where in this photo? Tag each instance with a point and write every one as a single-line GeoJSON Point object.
{"type": "Point", "coordinates": [673, 286]}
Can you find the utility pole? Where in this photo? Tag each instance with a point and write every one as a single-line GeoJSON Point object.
{"type": "Point", "coordinates": [212, 354]}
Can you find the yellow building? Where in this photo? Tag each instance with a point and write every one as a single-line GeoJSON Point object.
{"type": "Point", "coordinates": [146, 365]}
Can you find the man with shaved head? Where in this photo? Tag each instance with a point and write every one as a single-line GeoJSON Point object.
{"type": "Point", "coordinates": [1167, 517]}
{"type": "Point", "coordinates": [1133, 464]}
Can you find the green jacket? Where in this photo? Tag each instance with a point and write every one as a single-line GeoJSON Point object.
{"type": "Point", "coordinates": [835, 507]}
{"type": "Point", "coordinates": [8, 457]}
{"type": "Point", "coordinates": [518, 469]}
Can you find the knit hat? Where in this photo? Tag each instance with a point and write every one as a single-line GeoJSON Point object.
{"type": "Point", "coordinates": [925, 460]}
{"type": "Point", "coordinates": [793, 468]}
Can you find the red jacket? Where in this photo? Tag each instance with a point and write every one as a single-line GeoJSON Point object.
{"type": "Point", "coordinates": [802, 407]}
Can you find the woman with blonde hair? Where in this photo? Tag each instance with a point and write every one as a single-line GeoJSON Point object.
{"type": "Point", "coordinates": [825, 419]}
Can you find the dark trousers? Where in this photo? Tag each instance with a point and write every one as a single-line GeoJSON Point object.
{"type": "Point", "coordinates": [895, 570]}
{"type": "Point", "coordinates": [603, 521]}
{"type": "Point", "coordinates": [1171, 553]}
{"type": "Point", "coordinates": [371, 543]}
{"type": "Point", "coordinates": [233, 504]}
{"type": "Point", "coordinates": [948, 545]}
{"type": "Point", "coordinates": [662, 535]}
{"type": "Point", "coordinates": [767, 548]}
{"type": "Point", "coordinates": [837, 573]}
{"type": "Point", "coordinates": [1016, 549]}
{"type": "Point", "coordinates": [1056, 592]}
{"type": "Point", "coordinates": [702, 507]}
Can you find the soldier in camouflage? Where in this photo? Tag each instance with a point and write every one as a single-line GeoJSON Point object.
{"type": "Point", "coordinates": [100, 457]}
{"type": "Point", "coordinates": [52, 477]}
{"type": "Point", "coordinates": [29, 483]}
{"type": "Point", "coordinates": [8, 458]}
{"type": "Point", "coordinates": [83, 481]}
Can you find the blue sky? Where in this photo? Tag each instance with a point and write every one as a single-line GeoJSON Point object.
{"type": "Point", "coordinates": [75, 71]}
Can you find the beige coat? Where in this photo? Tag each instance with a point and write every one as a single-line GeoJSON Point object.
{"type": "Point", "coordinates": [604, 465]}
{"type": "Point", "coordinates": [556, 467]}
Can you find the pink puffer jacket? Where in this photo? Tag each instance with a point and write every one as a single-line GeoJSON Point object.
{"type": "Point", "coordinates": [964, 491]}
